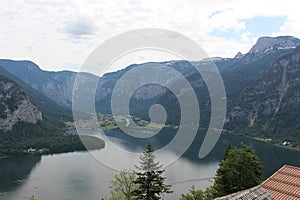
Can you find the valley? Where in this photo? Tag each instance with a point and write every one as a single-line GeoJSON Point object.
{"type": "Point", "coordinates": [36, 119]}
{"type": "Point", "coordinates": [265, 113]}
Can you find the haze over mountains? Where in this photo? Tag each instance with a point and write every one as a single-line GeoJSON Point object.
{"type": "Point", "coordinates": [262, 88]}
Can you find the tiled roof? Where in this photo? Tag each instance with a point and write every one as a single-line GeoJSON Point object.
{"type": "Point", "coordinates": [284, 184]}
{"type": "Point", "coordinates": [257, 193]}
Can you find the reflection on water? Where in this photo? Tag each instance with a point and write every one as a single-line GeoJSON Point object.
{"type": "Point", "coordinates": [13, 171]}
{"type": "Point", "coordinates": [81, 176]}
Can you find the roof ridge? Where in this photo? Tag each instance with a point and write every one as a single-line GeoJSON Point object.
{"type": "Point", "coordinates": [289, 173]}
{"type": "Point", "coordinates": [281, 191]}
{"type": "Point", "coordinates": [291, 166]}
{"type": "Point", "coordinates": [286, 182]}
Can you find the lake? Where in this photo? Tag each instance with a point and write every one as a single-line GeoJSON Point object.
{"type": "Point", "coordinates": [82, 176]}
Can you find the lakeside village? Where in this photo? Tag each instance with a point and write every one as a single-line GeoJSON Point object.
{"type": "Point", "coordinates": [109, 122]}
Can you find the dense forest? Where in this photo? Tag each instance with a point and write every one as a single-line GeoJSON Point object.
{"type": "Point", "coordinates": [44, 137]}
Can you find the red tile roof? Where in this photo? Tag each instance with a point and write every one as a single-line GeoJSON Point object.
{"type": "Point", "coordinates": [284, 184]}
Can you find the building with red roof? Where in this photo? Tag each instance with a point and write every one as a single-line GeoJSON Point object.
{"type": "Point", "coordinates": [284, 184]}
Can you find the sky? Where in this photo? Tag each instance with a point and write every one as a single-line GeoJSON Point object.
{"type": "Point", "coordinates": [61, 34]}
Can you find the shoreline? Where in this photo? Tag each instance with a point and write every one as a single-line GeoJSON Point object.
{"type": "Point", "coordinates": [267, 142]}
{"type": "Point", "coordinates": [97, 137]}
{"type": "Point", "coordinates": [89, 142]}
{"type": "Point", "coordinates": [275, 144]}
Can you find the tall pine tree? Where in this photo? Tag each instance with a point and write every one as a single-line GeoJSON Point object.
{"type": "Point", "coordinates": [150, 182]}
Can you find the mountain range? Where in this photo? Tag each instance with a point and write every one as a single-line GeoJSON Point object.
{"type": "Point", "coordinates": [261, 87]}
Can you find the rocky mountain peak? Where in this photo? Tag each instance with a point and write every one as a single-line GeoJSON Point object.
{"type": "Point", "coordinates": [238, 55]}
{"type": "Point", "coordinates": [15, 106]}
{"type": "Point", "coordinates": [265, 44]}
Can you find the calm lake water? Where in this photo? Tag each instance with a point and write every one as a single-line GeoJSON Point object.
{"type": "Point", "coordinates": [82, 176]}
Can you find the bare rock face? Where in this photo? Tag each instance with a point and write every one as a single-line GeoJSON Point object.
{"type": "Point", "coordinates": [265, 44]}
{"type": "Point", "coordinates": [15, 106]}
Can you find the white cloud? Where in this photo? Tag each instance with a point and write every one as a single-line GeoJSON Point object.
{"type": "Point", "coordinates": [55, 32]}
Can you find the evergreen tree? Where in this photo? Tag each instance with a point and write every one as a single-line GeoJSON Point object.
{"type": "Point", "coordinates": [150, 182]}
{"type": "Point", "coordinates": [222, 181]}
{"type": "Point", "coordinates": [239, 169]}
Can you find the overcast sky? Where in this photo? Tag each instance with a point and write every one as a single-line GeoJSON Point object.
{"type": "Point", "coordinates": [60, 34]}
